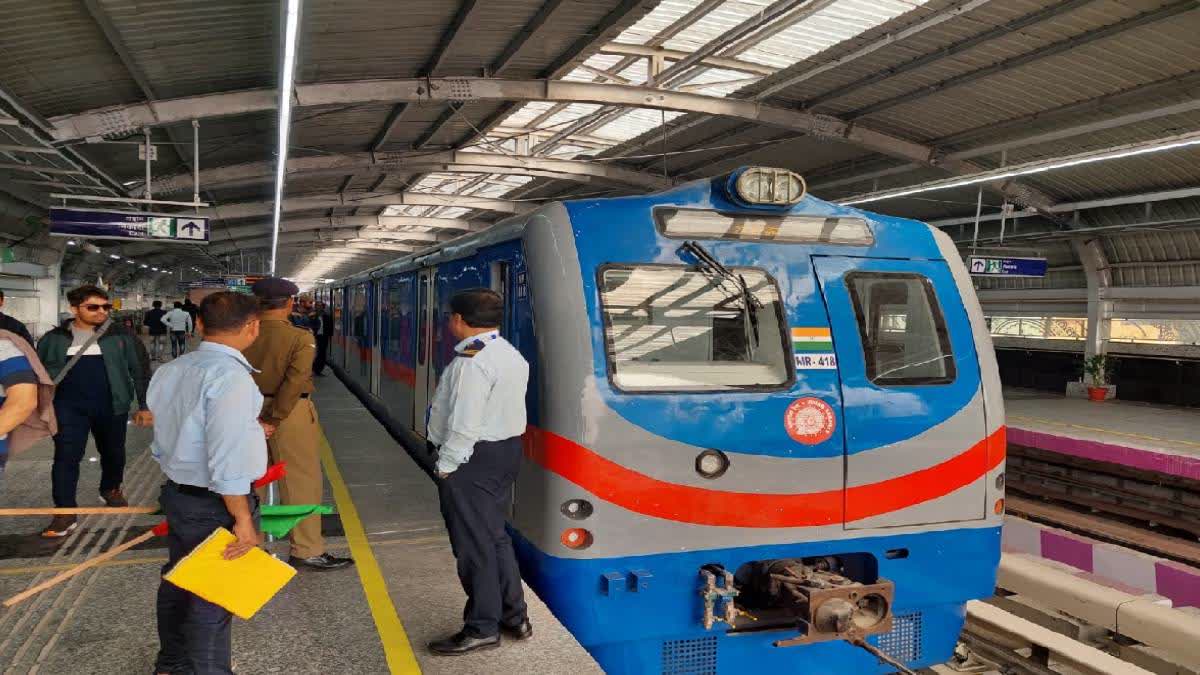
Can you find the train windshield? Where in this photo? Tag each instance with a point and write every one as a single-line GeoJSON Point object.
{"type": "Point", "coordinates": [678, 328]}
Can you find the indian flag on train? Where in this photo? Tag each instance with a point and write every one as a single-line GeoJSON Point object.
{"type": "Point", "coordinates": [811, 339]}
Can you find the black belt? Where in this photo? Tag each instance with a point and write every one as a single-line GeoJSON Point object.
{"type": "Point", "coordinates": [273, 395]}
{"type": "Point", "coordinates": [193, 490]}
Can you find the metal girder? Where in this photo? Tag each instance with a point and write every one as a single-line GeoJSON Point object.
{"type": "Point", "coordinates": [294, 204]}
{"type": "Point", "coordinates": [343, 237]}
{"type": "Point", "coordinates": [603, 74]}
{"type": "Point", "coordinates": [1068, 207]}
{"type": "Point", "coordinates": [394, 117]}
{"type": "Point", "coordinates": [123, 119]}
{"type": "Point", "coordinates": [782, 11]}
{"type": "Point", "coordinates": [527, 32]}
{"type": "Point", "coordinates": [1059, 133]}
{"type": "Point", "coordinates": [1062, 117]}
{"type": "Point", "coordinates": [383, 223]}
{"type": "Point", "coordinates": [430, 68]}
{"type": "Point", "coordinates": [1037, 166]}
{"type": "Point", "coordinates": [7, 147]}
{"type": "Point", "coordinates": [41, 131]}
{"type": "Point", "coordinates": [508, 133]}
{"type": "Point", "coordinates": [598, 33]}
{"type": "Point", "coordinates": [31, 168]}
{"type": "Point", "coordinates": [436, 127]}
{"type": "Point", "coordinates": [383, 249]}
{"type": "Point", "coordinates": [58, 184]}
{"type": "Point", "coordinates": [454, 161]}
{"type": "Point", "coordinates": [1079, 129]}
{"type": "Point", "coordinates": [908, 66]}
{"type": "Point", "coordinates": [448, 37]}
{"type": "Point", "coordinates": [724, 63]}
{"type": "Point", "coordinates": [1052, 49]}
{"type": "Point", "coordinates": [602, 32]}
{"type": "Point", "coordinates": [327, 235]}
{"type": "Point", "coordinates": [295, 253]}
{"type": "Point", "coordinates": [113, 35]}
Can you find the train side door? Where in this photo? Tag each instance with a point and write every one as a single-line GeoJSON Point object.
{"type": "Point", "coordinates": [424, 371]}
{"type": "Point", "coordinates": [911, 396]}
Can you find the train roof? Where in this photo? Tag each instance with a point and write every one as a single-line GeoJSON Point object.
{"type": "Point", "coordinates": [512, 227]}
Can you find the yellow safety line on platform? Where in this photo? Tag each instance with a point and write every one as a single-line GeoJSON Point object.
{"type": "Point", "coordinates": [1111, 432]}
{"type": "Point", "coordinates": [396, 647]}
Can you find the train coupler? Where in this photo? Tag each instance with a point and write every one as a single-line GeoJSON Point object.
{"type": "Point", "coordinates": [718, 593]}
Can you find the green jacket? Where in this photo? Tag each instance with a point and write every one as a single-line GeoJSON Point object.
{"type": "Point", "coordinates": [125, 360]}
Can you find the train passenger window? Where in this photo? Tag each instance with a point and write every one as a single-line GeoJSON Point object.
{"type": "Point", "coordinates": [677, 328]}
{"type": "Point", "coordinates": [902, 328]}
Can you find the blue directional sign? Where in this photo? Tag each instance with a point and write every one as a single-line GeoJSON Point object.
{"type": "Point", "coordinates": [993, 266]}
{"type": "Point", "coordinates": [135, 225]}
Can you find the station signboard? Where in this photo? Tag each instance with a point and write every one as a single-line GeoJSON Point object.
{"type": "Point", "coordinates": [997, 266]}
{"type": "Point", "coordinates": [128, 225]}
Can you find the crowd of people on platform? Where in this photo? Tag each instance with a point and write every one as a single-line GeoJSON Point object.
{"type": "Point", "coordinates": [241, 400]}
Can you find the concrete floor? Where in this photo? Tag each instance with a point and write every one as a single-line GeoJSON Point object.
{"type": "Point", "coordinates": [1147, 426]}
{"type": "Point", "coordinates": [102, 621]}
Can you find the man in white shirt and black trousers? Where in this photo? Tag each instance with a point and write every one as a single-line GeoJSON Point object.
{"type": "Point", "coordinates": [476, 422]}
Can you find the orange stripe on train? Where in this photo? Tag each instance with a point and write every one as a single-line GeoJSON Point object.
{"type": "Point", "coordinates": [652, 497]}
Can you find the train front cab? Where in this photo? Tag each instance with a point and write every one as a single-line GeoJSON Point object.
{"type": "Point", "coordinates": [735, 394]}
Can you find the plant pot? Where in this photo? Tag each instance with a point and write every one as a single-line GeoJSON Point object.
{"type": "Point", "coordinates": [1097, 393]}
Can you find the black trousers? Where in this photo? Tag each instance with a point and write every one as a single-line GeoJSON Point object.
{"type": "Point", "coordinates": [475, 500]}
{"type": "Point", "coordinates": [194, 635]}
{"type": "Point", "coordinates": [70, 443]}
{"type": "Point", "coordinates": [322, 354]}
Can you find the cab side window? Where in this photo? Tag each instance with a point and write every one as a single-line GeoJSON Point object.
{"type": "Point", "coordinates": [902, 327]}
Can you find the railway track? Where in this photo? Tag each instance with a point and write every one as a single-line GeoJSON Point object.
{"type": "Point", "coordinates": [1146, 511]}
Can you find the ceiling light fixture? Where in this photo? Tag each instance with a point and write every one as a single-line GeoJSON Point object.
{"type": "Point", "coordinates": [286, 76]}
{"type": "Point", "coordinates": [1039, 166]}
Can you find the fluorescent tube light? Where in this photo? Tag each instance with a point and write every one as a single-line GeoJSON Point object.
{"type": "Point", "coordinates": [287, 75]}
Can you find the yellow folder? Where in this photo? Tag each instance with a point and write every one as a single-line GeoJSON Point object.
{"type": "Point", "coordinates": [241, 586]}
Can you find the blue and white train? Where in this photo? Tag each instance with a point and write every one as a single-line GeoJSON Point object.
{"type": "Point", "coordinates": [764, 428]}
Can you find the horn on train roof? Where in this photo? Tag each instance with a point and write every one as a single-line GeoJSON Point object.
{"type": "Point", "coordinates": [765, 187]}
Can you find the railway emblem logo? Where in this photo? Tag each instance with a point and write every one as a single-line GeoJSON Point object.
{"type": "Point", "coordinates": [809, 420]}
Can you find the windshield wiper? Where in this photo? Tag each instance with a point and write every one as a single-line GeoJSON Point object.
{"type": "Point", "coordinates": [713, 267]}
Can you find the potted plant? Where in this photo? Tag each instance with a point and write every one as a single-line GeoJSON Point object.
{"type": "Point", "coordinates": [1097, 368]}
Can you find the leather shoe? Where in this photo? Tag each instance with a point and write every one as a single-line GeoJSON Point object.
{"type": "Point", "coordinates": [321, 562]}
{"type": "Point", "coordinates": [460, 643]}
{"type": "Point", "coordinates": [521, 631]}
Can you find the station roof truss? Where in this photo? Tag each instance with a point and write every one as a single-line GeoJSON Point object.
{"type": "Point", "coordinates": [931, 109]}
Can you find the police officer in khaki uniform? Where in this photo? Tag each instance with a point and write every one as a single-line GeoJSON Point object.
{"type": "Point", "coordinates": [284, 356]}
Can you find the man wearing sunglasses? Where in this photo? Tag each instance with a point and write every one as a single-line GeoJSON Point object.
{"type": "Point", "coordinates": [96, 395]}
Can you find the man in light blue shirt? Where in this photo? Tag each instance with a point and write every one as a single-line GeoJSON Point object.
{"type": "Point", "coordinates": [210, 445]}
{"type": "Point", "coordinates": [476, 422]}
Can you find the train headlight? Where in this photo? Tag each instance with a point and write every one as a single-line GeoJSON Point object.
{"type": "Point", "coordinates": [763, 186]}
{"type": "Point", "coordinates": [712, 464]}
{"type": "Point", "coordinates": [576, 509]}
{"type": "Point", "coordinates": [576, 538]}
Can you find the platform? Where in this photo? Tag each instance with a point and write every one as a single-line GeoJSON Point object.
{"type": "Point", "coordinates": [373, 619]}
{"type": "Point", "coordinates": [1160, 439]}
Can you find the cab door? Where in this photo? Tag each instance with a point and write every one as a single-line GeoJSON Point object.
{"type": "Point", "coordinates": [376, 348]}
{"type": "Point", "coordinates": [912, 403]}
{"type": "Point", "coordinates": [424, 372]}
